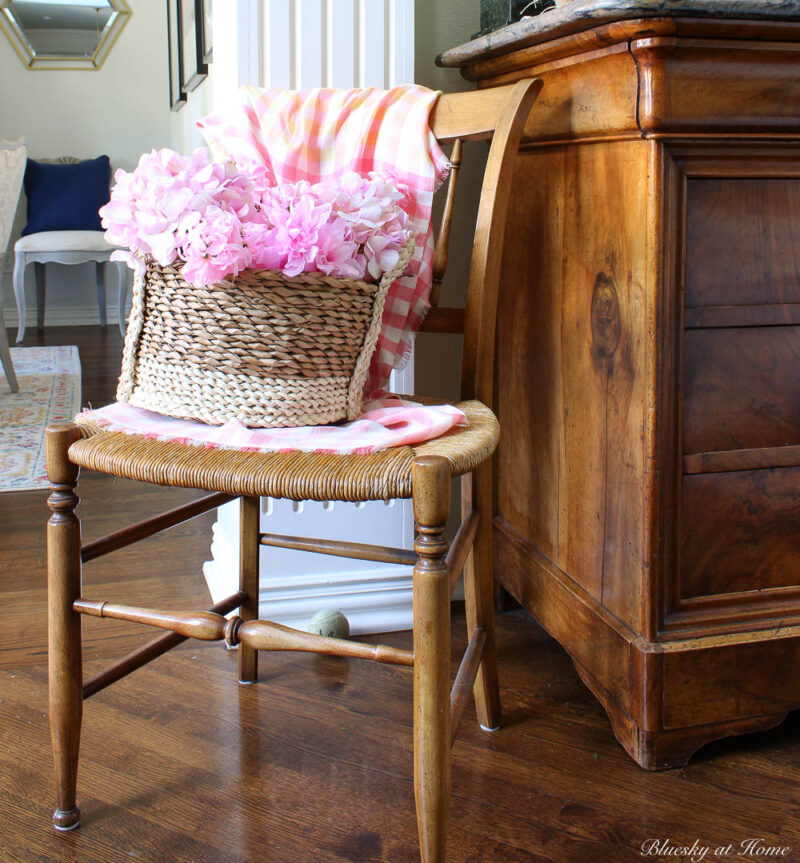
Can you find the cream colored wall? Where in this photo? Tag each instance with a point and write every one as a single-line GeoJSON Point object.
{"type": "Point", "coordinates": [122, 110]}
{"type": "Point", "coordinates": [439, 25]}
{"type": "Point", "coordinates": [442, 24]}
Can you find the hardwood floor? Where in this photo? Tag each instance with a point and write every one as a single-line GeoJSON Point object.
{"type": "Point", "coordinates": [179, 763]}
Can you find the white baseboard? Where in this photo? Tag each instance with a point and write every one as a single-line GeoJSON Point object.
{"type": "Point", "coordinates": [63, 316]}
{"type": "Point", "coordinates": [384, 604]}
{"type": "Point", "coordinates": [375, 600]}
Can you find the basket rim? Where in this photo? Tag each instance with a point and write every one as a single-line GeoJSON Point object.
{"type": "Point", "coordinates": [304, 278]}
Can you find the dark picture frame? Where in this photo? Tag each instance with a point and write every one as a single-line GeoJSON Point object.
{"type": "Point", "coordinates": [177, 95]}
{"type": "Point", "coordinates": [190, 26]}
{"type": "Point", "coordinates": [206, 42]}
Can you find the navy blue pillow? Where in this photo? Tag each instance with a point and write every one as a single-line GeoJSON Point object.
{"type": "Point", "coordinates": [66, 197]}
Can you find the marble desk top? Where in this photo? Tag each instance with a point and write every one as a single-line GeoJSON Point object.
{"type": "Point", "coordinates": [577, 15]}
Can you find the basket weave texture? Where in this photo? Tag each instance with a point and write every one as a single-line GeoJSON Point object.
{"type": "Point", "coordinates": [266, 349]}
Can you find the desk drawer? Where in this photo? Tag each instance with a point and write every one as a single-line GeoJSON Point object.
{"type": "Point", "coordinates": [742, 241]}
{"type": "Point", "coordinates": [741, 388]}
{"type": "Point", "coordinates": [740, 532]}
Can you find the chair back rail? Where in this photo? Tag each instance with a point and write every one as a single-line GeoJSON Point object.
{"type": "Point", "coordinates": [473, 115]}
{"type": "Point", "coordinates": [498, 114]}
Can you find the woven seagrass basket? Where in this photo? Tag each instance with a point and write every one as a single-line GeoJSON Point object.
{"type": "Point", "coordinates": [266, 349]}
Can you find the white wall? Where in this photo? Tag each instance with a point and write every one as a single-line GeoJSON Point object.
{"type": "Point", "coordinates": [121, 110]}
{"type": "Point", "coordinates": [184, 134]}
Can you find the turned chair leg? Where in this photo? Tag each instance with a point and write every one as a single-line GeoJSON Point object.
{"type": "Point", "coordinates": [100, 283]}
{"type": "Point", "coordinates": [64, 624]}
{"type": "Point", "coordinates": [431, 497]}
{"type": "Point", "coordinates": [19, 292]}
{"type": "Point", "coordinates": [249, 527]}
{"type": "Point", "coordinates": [476, 493]}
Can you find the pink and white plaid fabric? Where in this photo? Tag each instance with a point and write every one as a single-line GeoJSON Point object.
{"type": "Point", "coordinates": [322, 134]}
{"type": "Point", "coordinates": [386, 422]}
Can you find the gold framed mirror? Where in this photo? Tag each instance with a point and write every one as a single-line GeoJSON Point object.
{"type": "Point", "coordinates": [63, 34]}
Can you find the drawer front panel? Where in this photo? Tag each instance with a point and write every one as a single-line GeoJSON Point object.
{"type": "Point", "coordinates": [740, 532]}
{"type": "Point", "coordinates": [742, 241]}
{"type": "Point", "coordinates": [741, 388]}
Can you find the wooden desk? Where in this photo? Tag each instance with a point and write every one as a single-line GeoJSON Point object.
{"type": "Point", "coordinates": [648, 477]}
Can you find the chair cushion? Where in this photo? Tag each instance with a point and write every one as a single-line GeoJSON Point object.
{"type": "Point", "coordinates": [63, 241]}
{"type": "Point", "coordinates": [66, 197]}
{"type": "Point", "coordinates": [295, 475]}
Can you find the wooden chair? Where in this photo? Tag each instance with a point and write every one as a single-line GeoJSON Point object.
{"type": "Point", "coordinates": [422, 473]}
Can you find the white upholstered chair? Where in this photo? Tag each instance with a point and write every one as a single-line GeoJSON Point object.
{"type": "Point", "coordinates": [65, 247]}
{"type": "Point", "coordinates": [12, 169]}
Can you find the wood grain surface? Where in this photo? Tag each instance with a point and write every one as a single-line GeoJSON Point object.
{"type": "Point", "coordinates": [742, 241]}
{"type": "Point", "coordinates": [647, 356]}
{"type": "Point", "coordinates": [740, 531]}
{"type": "Point", "coordinates": [741, 388]}
{"type": "Point", "coordinates": [576, 481]}
{"type": "Point", "coordinates": [181, 763]}
{"type": "Point", "coordinates": [717, 87]}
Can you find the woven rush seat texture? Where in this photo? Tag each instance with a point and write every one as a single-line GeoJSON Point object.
{"type": "Point", "coordinates": [295, 475]}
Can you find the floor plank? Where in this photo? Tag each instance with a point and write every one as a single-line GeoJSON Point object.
{"type": "Point", "coordinates": [180, 763]}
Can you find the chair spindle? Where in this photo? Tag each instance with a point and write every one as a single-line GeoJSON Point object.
{"type": "Point", "coordinates": [443, 242]}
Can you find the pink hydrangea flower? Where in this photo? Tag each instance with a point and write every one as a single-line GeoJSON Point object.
{"type": "Point", "coordinates": [218, 219]}
{"type": "Point", "coordinates": [338, 254]}
{"type": "Point", "coordinates": [212, 248]}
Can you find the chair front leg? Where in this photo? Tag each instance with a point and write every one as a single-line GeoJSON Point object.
{"type": "Point", "coordinates": [122, 291]}
{"type": "Point", "coordinates": [431, 497]}
{"type": "Point", "coordinates": [100, 281]}
{"type": "Point", "coordinates": [64, 624]}
{"type": "Point", "coordinates": [249, 549]}
{"type": "Point", "coordinates": [19, 293]}
{"type": "Point", "coordinates": [476, 493]}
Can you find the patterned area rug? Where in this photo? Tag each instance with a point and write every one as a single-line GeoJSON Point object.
{"type": "Point", "coordinates": [49, 391]}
